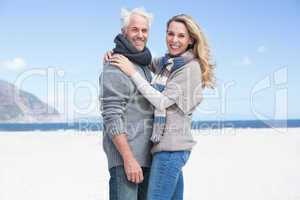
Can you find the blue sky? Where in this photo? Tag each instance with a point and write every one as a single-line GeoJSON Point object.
{"type": "Point", "coordinates": [54, 48]}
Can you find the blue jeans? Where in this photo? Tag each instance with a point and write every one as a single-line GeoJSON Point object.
{"type": "Point", "coordinates": [122, 189]}
{"type": "Point", "coordinates": [166, 178]}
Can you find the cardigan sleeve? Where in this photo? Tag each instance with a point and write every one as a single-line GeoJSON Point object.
{"type": "Point", "coordinates": [184, 89]}
{"type": "Point", "coordinates": [157, 99]}
{"type": "Point", "coordinates": [115, 92]}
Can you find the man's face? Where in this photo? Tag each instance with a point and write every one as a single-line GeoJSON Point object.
{"type": "Point", "coordinates": [137, 31]}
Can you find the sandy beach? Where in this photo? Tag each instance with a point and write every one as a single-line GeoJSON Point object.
{"type": "Point", "coordinates": [228, 164]}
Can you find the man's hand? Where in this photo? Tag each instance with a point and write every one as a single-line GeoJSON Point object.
{"type": "Point", "coordinates": [133, 170]}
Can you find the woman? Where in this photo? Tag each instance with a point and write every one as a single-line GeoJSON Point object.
{"type": "Point", "coordinates": [175, 92]}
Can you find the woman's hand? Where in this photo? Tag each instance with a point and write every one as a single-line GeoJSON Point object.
{"type": "Point", "coordinates": [107, 56]}
{"type": "Point", "coordinates": [123, 63]}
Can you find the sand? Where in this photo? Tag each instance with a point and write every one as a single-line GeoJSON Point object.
{"type": "Point", "coordinates": [227, 164]}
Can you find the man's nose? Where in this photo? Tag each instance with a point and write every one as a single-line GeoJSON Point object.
{"type": "Point", "coordinates": [140, 34]}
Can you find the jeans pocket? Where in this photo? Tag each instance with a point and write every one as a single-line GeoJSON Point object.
{"type": "Point", "coordinates": [185, 156]}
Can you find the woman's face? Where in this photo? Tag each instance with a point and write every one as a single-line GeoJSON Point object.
{"type": "Point", "coordinates": [178, 38]}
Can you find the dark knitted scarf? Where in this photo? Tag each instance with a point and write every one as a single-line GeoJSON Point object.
{"type": "Point", "coordinates": [124, 47]}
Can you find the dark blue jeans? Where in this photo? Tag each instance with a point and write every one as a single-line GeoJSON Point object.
{"type": "Point", "coordinates": [166, 178]}
{"type": "Point", "coordinates": [122, 189]}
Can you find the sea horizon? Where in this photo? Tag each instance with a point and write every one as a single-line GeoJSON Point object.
{"type": "Point", "coordinates": [196, 124]}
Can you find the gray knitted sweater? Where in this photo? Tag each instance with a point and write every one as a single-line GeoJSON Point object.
{"type": "Point", "coordinates": [125, 110]}
{"type": "Point", "coordinates": [183, 93]}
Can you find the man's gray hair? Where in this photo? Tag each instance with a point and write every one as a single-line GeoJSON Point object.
{"type": "Point", "coordinates": [126, 14]}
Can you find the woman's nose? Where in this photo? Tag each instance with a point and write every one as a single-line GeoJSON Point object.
{"type": "Point", "coordinates": [175, 39]}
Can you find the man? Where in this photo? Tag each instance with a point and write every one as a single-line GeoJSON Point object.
{"type": "Point", "coordinates": [127, 115]}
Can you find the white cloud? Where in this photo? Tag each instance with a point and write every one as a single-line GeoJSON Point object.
{"type": "Point", "coordinates": [261, 49]}
{"type": "Point", "coordinates": [16, 64]}
{"type": "Point", "coordinates": [246, 61]}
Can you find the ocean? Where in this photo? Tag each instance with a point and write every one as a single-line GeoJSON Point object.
{"type": "Point", "coordinates": [92, 126]}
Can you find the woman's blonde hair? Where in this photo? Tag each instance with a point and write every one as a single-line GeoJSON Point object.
{"type": "Point", "coordinates": [200, 48]}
